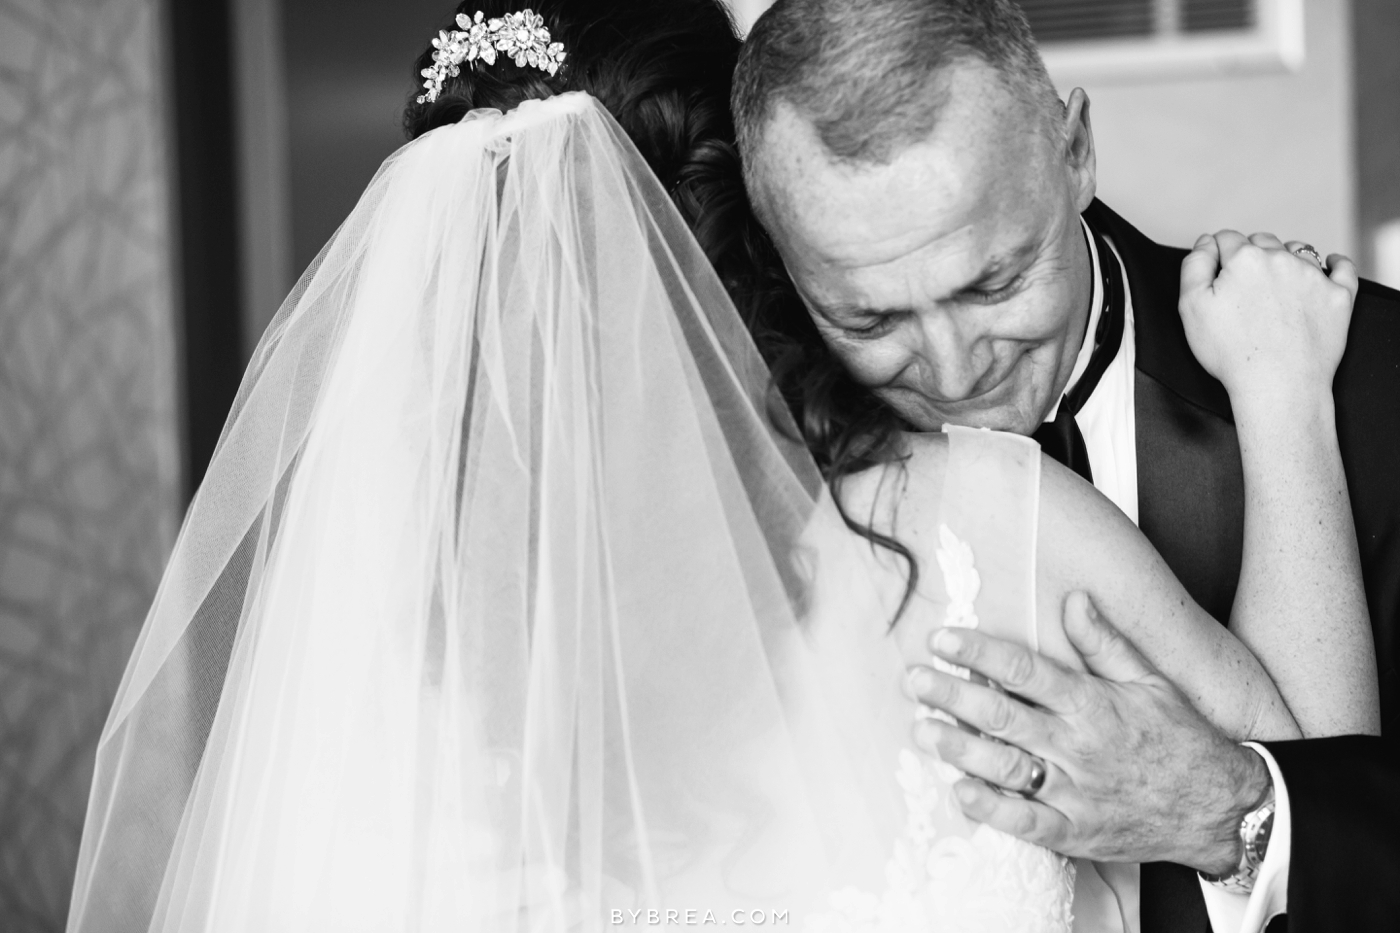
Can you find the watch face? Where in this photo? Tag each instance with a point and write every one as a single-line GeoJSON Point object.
{"type": "Point", "coordinates": [1259, 826]}
{"type": "Point", "coordinates": [1255, 829]}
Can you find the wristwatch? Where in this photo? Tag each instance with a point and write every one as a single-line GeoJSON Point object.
{"type": "Point", "coordinates": [1255, 828]}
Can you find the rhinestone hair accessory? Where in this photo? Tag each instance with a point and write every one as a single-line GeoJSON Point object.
{"type": "Point", "coordinates": [521, 37]}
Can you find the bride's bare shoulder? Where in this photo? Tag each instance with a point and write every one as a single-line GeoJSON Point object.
{"type": "Point", "coordinates": [909, 482]}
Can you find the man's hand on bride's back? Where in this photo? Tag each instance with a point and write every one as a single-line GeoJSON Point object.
{"type": "Point", "coordinates": [1133, 773]}
{"type": "Point", "coordinates": [1263, 318]}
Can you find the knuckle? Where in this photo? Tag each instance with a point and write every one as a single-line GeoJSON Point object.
{"type": "Point", "coordinates": [1078, 695]}
{"type": "Point", "coordinates": [1020, 670]}
{"type": "Point", "coordinates": [1013, 767]}
{"type": "Point", "coordinates": [1091, 706]}
{"type": "Point", "coordinates": [1000, 714]}
{"type": "Point", "coordinates": [949, 692]}
{"type": "Point", "coordinates": [1080, 747]}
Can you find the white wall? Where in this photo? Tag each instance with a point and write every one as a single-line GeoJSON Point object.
{"type": "Point", "coordinates": [1272, 152]}
{"type": "Point", "coordinates": [746, 11]}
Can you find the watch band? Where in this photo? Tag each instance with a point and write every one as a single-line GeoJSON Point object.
{"type": "Point", "coordinates": [1256, 826]}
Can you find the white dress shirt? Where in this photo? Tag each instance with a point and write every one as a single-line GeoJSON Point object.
{"type": "Point", "coordinates": [1109, 427]}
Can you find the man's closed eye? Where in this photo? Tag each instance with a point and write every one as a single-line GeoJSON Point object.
{"type": "Point", "coordinates": [876, 328]}
{"type": "Point", "coordinates": [991, 296]}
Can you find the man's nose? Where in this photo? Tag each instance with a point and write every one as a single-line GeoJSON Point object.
{"type": "Point", "coordinates": [952, 358]}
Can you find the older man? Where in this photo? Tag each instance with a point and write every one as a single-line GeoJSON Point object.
{"type": "Point", "coordinates": [933, 200]}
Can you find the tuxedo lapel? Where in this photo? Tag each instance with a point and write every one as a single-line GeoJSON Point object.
{"type": "Point", "coordinates": [1190, 480]}
{"type": "Point", "coordinates": [1154, 281]}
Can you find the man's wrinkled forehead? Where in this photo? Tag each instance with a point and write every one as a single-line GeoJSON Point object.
{"type": "Point", "coordinates": [824, 202]}
{"type": "Point", "coordinates": [943, 229]}
{"type": "Point", "coordinates": [981, 156]}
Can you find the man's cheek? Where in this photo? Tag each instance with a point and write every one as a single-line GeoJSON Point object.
{"type": "Point", "coordinates": [867, 365]}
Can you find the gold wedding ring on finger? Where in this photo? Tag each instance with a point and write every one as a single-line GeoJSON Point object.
{"type": "Point", "coordinates": [1305, 251]}
{"type": "Point", "coordinates": [1037, 778]}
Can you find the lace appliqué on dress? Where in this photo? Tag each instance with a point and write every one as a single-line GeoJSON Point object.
{"type": "Point", "coordinates": [988, 882]}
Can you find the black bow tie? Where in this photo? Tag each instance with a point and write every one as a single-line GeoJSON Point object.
{"type": "Point", "coordinates": [1061, 438]}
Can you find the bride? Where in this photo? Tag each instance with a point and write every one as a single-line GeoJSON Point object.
{"type": "Point", "coordinates": [513, 601]}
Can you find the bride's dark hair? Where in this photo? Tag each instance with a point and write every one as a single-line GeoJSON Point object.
{"type": "Point", "coordinates": [664, 71]}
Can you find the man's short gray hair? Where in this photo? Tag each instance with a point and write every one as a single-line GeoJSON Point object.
{"type": "Point", "coordinates": [864, 72]}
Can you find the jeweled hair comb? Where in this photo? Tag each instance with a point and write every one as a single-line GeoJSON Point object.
{"type": "Point", "coordinates": [521, 37]}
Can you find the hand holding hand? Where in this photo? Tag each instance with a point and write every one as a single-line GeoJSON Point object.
{"type": "Point", "coordinates": [1133, 772]}
{"type": "Point", "coordinates": [1264, 320]}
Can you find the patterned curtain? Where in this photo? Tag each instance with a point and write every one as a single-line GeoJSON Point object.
{"type": "Point", "coordinates": [89, 496]}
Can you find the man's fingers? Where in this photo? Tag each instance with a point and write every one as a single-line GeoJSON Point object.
{"type": "Point", "coordinates": [1030, 820]}
{"type": "Point", "coordinates": [1201, 265]}
{"type": "Point", "coordinates": [1230, 243]}
{"type": "Point", "coordinates": [1014, 667]}
{"type": "Point", "coordinates": [983, 708]}
{"type": "Point", "coordinates": [1342, 270]}
{"type": "Point", "coordinates": [1106, 652]}
{"type": "Point", "coordinates": [1266, 240]}
{"type": "Point", "coordinates": [1001, 764]}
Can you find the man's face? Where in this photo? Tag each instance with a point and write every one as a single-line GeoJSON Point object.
{"type": "Point", "coordinates": [953, 282]}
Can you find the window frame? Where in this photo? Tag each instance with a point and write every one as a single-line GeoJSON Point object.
{"type": "Point", "coordinates": [1275, 43]}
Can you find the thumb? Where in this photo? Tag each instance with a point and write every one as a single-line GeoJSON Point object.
{"type": "Point", "coordinates": [1201, 265]}
{"type": "Point", "coordinates": [1342, 270]}
{"type": "Point", "coordinates": [1106, 652]}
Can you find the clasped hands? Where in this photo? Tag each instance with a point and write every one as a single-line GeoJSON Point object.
{"type": "Point", "coordinates": [1133, 772]}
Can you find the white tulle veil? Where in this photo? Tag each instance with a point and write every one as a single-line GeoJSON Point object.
{"type": "Point", "coordinates": [506, 604]}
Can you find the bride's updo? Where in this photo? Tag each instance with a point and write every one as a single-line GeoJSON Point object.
{"type": "Point", "coordinates": [662, 69]}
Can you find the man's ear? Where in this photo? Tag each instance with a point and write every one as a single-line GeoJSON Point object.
{"type": "Point", "coordinates": [1079, 152]}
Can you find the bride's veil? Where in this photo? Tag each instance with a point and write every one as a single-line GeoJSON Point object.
{"type": "Point", "coordinates": [504, 604]}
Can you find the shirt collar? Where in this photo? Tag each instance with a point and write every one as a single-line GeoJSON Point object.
{"type": "Point", "coordinates": [1086, 350]}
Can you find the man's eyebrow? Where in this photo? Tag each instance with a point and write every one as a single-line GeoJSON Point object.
{"type": "Point", "coordinates": [833, 313]}
{"type": "Point", "coordinates": [997, 267]}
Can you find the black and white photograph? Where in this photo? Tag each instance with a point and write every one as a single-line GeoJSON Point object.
{"type": "Point", "coordinates": [602, 466]}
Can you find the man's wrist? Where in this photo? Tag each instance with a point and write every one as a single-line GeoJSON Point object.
{"type": "Point", "coordinates": [1248, 789]}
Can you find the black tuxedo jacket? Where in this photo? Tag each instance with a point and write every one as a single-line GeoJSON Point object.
{"type": "Point", "coordinates": [1344, 793]}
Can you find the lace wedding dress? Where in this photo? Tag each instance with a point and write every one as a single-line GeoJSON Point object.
{"type": "Point", "coordinates": [945, 873]}
{"type": "Point", "coordinates": [510, 604]}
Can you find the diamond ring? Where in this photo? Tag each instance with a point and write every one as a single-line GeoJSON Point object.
{"type": "Point", "coordinates": [1304, 251]}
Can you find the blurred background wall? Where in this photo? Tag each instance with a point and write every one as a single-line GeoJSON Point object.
{"type": "Point", "coordinates": [167, 167]}
{"type": "Point", "coordinates": [1271, 150]}
{"type": "Point", "coordinates": [89, 436]}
